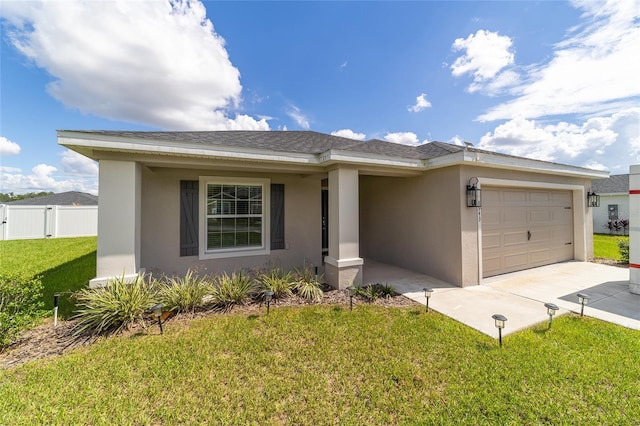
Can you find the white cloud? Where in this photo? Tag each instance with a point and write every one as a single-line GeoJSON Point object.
{"type": "Point", "coordinates": [44, 177]}
{"type": "Point", "coordinates": [75, 164]}
{"type": "Point", "coordinates": [158, 63]}
{"type": "Point", "coordinates": [297, 115]}
{"type": "Point", "coordinates": [8, 147]}
{"type": "Point", "coordinates": [591, 72]}
{"type": "Point", "coordinates": [421, 103]}
{"type": "Point", "coordinates": [405, 138]}
{"type": "Point", "coordinates": [486, 53]}
{"type": "Point", "coordinates": [611, 142]}
{"type": "Point", "coordinates": [350, 134]}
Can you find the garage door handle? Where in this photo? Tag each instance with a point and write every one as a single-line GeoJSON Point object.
{"type": "Point", "coordinates": [528, 235]}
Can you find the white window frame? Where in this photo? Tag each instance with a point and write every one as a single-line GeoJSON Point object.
{"type": "Point", "coordinates": [265, 249]}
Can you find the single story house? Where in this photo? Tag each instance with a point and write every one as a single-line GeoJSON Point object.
{"type": "Point", "coordinates": [614, 201]}
{"type": "Point", "coordinates": [223, 200]}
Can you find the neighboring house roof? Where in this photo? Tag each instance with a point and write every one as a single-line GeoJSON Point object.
{"type": "Point", "coordinates": [615, 184]}
{"type": "Point", "coordinates": [70, 198]}
{"type": "Point", "coordinates": [306, 147]}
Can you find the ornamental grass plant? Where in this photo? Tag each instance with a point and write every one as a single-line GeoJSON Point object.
{"type": "Point", "coordinates": [115, 307]}
{"type": "Point", "coordinates": [183, 294]}
{"type": "Point", "coordinates": [235, 289]}
{"type": "Point", "coordinates": [278, 280]}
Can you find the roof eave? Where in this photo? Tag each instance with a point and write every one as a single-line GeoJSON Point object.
{"type": "Point", "coordinates": [90, 146]}
{"type": "Point", "coordinates": [483, 159]}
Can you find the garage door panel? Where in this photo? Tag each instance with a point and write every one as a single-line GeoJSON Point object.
{"type": "Point", "coordinates": [539, 197]}
{"type": "Point", "coordinates": [491, 218]}
{"type": "Point", "coordinates": [540, 216]}
{"type": "Point", "coordinates": [513, 238]}
{"type": "Point", "coordinates": [541, 256]}
{"type": "Point", "coordinates": [514, 196]}
{"type": "Point", "coordinates": [492, 241]}
{"type": "Point", "coordinates": [516, 261]}
{"type": "Point", "coordinates": [512, 217]}
{"type": "Point", "coordinates": [508, 214]}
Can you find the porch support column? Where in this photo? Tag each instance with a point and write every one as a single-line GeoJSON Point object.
{"type": "Point", "coordinates": [119, 206]}
{"type": "Point", "coordinates": [343, 265]}
{"type": "Point", "coordinates": [634, 229]}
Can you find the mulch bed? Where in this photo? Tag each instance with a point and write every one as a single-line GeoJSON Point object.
{"type": "Point", "coordinates": [45, 341]}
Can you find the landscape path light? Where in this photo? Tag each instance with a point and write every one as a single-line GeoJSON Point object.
{"type": "Point", "coordinates": [583, 299]}
{"type": "Point", "coordinates": [427, 294]}
{"type": "Point", "coordinates": [351, 289]}
{"type": "Point", "coordinates": [551, 311]}
{"type": "Point", "coordinates": [157, 312]}
{"type": "Point", "coordinates": [268, 295]}
{"type": "Point", "coordinates": [56, 300]}
{"type": "Point", "coordinates": [500, 320]}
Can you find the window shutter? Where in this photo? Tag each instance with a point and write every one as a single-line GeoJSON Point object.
{"type": "Point", "coordinates": [277, 216]}
{"type": "Point", "coordinates": [189, 217]}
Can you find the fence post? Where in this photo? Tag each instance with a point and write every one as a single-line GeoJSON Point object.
{"type": "Point", "coordinates": [634, 229]}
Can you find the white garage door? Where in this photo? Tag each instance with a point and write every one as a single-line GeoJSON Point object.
{"type": "Point", "coordinates": [525, 228]}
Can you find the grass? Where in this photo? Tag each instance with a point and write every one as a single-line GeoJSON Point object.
{"type": "Point", "coordinates": [325, 365]}
{"type": "Point", "coordinates": [606, 246]}
{"type": "Point", "coordinates": [66, 264]}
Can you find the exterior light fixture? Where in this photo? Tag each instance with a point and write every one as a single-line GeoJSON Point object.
{"type": "Point", "coordinates": [593, 199]}
{"type": "Point", "coordinates": [157, 312]}
{"type": "Point", "coordinates": [268, 295]}
{"type": "Point", "coordinates": [351, 289]}
{"type": "Point", "coordinates": [474, 194]}
{"type": "Point", "coordinates": [583, 299]}
{"type": "Point", "coordinates": [551, 311]}
{"type": "Point", "coordinates": [427, 294]}
{"type": "Point", "coordinates": [56, 300]}
{"type": "Point", "coordinates": [500, 320]}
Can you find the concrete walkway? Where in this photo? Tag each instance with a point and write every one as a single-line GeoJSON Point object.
{"type": "Point", "coordinates": [520, 296]}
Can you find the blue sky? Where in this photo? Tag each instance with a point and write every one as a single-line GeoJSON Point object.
{"type": "Point", "coordinates": [551, 80]}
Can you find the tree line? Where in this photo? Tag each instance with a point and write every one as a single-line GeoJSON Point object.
{"type": "Point", "coordinates": [4, 198]}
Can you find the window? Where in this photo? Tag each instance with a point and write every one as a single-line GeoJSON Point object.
{"type": "Point", "coordinates": [235, 217]}
{"type": "Point", "coordinates": [613, 211]}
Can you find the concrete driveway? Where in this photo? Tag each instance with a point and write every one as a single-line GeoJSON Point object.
{"type": "Point", "coordinates": [520, 296]}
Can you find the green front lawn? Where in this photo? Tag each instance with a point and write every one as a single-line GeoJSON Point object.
{"type": "Point", "coordinates": [606, 246]}
{"type": "Point", "coordinates": [65, 264]}
{"type": "Point", "coordinates": [325, 365]}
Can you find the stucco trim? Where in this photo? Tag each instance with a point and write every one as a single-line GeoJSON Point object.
{"type": "Point", "coordinates": [344, 263]}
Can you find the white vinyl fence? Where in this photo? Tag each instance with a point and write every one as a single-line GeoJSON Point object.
{"type": "Point", "coordinates": [25, 222]}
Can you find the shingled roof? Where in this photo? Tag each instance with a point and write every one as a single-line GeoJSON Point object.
{"type": "Point", "coordinates": [70, 198]}
{"type": "Point", "coordinates": [615, 184]}
{"type": "Point", "coordinates": [297, 142]}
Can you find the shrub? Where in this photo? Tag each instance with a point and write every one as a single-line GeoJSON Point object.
{"type": "Point", "coordinates": [19, 304]}
{"type": "Point", "coordinates": [114, 307]}
{"type": "Point", "coordinates": [375, 291]}
{"type": "Point", "coordinates": [278, 280]}
{"type": "Point", "coordinates": [623, 249]}
{"type": "Point", "coordinates": [307, 285]}
{"type": "Point", "coordinates": [183, 294]}
{"type": "Point", "coordinates": [234, 289]}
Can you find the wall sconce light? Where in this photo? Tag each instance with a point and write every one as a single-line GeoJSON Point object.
{"type": "Point", "coordinates": [593, 199]}
{"type": "Point", "coordinates": [351, 289]}
{"type": "Point", "coordinates": [551, 311]}
{"type": "Point", "coordinates": [427, 294]}
{"type": "Point", "coordinates": [474, 194]}
{"type": "Point", "coordinates": [268, 295]}
{"type": "Point", "coordinates": [157, 312]}
{"type": "Point", "coordinates": [500, 320]}
{"type": "Point", "coordinates": [583, 299]}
